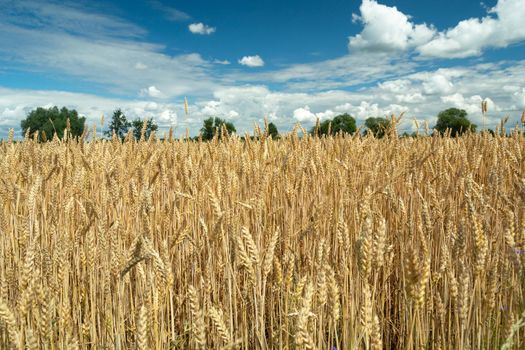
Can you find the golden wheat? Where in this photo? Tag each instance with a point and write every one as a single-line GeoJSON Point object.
{"type": "Point", "coordinates": [301, 242]}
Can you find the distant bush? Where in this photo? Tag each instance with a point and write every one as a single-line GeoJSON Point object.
{"type": "Point", "coordinates": [48, 121]}
{"type": "Point", "coordinates": [214, 125]}
{"type": "Point", "coordinates": [342, 123]}
{"type": "Point", "coordinates": [377, 126]}
{"type": "Point", "coordinates": [455, 120]}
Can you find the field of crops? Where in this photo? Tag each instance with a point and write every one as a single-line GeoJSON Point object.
{"type": "Point", "coordinates": [317, 243]}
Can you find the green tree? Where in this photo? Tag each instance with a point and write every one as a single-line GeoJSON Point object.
{"type": "Point", "coordinates": [137, 125]}
{"type": "Point", "coordinates": [214, 124]}
{"type": "Point", "coordinates": [119, 124]}
{"type": "Point", "coordinates": [272, 131]}
{"type": "Point", "coordinates": [47, 121]}
{"type": "Point", "coordinates": [454, 119]}
{"type": "Point", "coordinates": [343, 122]}
{"type": "Point", "coordinates": [377, 126]}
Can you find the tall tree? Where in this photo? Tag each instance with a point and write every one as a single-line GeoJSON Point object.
{"type": "Point", "coordinates": [342, 123]}
{"type": "Point", "coordinates": [213, 125]}
{"type": "Point", "coordinates": [47, 121]}
{"type": "Point", "coordinates": [138, 124]}
{"type": "Point", "coordinates": [454, 119]}
{"type": "Point", "coordinates": [377, 126]}
{"type": "Point", "coordinates": [119, 124]}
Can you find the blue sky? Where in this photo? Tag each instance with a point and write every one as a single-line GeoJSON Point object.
{"type": "Point", "coordinates": [288, 61]}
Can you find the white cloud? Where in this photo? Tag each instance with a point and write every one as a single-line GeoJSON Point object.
{"type": "Point", "coordinates": [248, 104]}
{"type": "Point", "coordinates": [519, 97]}
{"type": "Point", "coordinates": [410, 98]}
{"type": "Point", "coordinates": [201, 28]}
{"type": "Point", "coordinates": [303, 114]}
{"type": "Point", "coordinates": [151, 91]}
{"type": "Point", "coordinates": [369, 109]}
{"type": "Point", "coordinates": [252, 61]}
{"type": "Point", "coordinates": [328, 114]}
{"type": "Point", "coordinates": [212, 108]}
{"type": "Point", "coordinates": [405, 93]}
{"type": "Point", "coordinates": [502, 27]}
{"type": "Point", "coordinates": [67, 17]}
{"type": "Point", "coordinates": [437, 84]}
{"type": "Point", "coordinates": [396, 86]}
{"type": "Point", "coordinates": [471, 104]}
{"type": "Point", "coordinates": [13, 112]}
{"type": "Point", "coordinates": [233, 114]}
{"type": "Point", "coordinates": [360, 111]}
{"type": "Point", "coordinates": [168, 116]}
{"type": "Point", "coordinates": [223, 62]}
{"type": "Point", "coordinates": [95, 61]}
{"type": "Point", "coordinates": [75, 42]}
{"type": "Point", "coordinates": [218, 109]}
{"type": "Point", "coordinates": [387, 29]}
{"type": "Point", "coordinates": [334, 73]}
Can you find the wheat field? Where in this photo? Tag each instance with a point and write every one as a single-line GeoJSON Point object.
{"type": "Point", "coordinates": [298, 243]}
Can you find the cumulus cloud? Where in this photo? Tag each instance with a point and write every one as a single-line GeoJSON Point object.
{"type": "Point", "coordinates": [201, 28]}
{"type": "Point", "coordinates": [168, 116]}
{"type": "Point", "coordinates": [211, 108]}
{"type": "Point", "coordinates": [471, 104]}
{"type": "Point", "coordinates": [361, 111]}
{"type": "Point", "coordinates": [248, 104]}
{"type": "Point", "coordinates": [140, 66]}
{"type": "Point", "coordinates": [501, 27]}
{"type": "Point", "coordinates": [151, 91]}
{"type": "Point", "coordinates": [217, 109]}
{"type": "Point", "coordinates": [387, 29]}
{"type": "Point", "coordinates": [415, 97]}
{"type": "Point", "coordinates": [328, 114]}
{"type": "Point", "coordinates": [252, 61]}
{"type": "Point", "coordinates": [367, 109]}
{"type": "Point", "coordinates": [437, 84]}
{"type": "Point", "coordinates": [303, 114]}
{"type": "Point", "coordinates": [421, 95]}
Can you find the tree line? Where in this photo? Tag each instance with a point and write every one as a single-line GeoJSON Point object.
{"type": "Point", "coordinates": [53, 121]}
